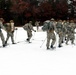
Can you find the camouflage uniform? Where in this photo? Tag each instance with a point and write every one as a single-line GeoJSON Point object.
{"type": "Point", "coordinates": [70, 32]}
{"type": "Point", "coordinates": [51, 35]}
{"type": "Point", "coordinates": [1, 34]}
{"type": "Point", "coordinates": [64, 30]}
{"type": "Point", "coordinates": [29, 30]}
{"type": "Point", "coordinates": [37, 24]}
{"type": "Point", "coordinates": [59, 28]}
{"type": "Point", "coordinates": [10, 31]}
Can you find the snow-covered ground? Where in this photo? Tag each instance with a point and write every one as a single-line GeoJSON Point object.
{"type": "Point", "coordinates": [33, 58]}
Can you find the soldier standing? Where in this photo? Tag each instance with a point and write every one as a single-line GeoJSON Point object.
{"type": "Point", "coordinates": [29, 27]}
{"type": "Point", "coordinates": [1, 34]}
{"type": "Point", "coordinates": [64, 30]}
{"type": "Point", "coordinates": [51, 35]}
{"type": "Point", "coordinates": [59, 28]}
{"type": "Point", "coordinates": [10, 31]}
{"type": "Point", "coordinates": [37, 24]}
{"type": "Point", "coordinates": [71, 32]}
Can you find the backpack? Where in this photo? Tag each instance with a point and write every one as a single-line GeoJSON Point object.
{"type": "Point", "coordinates": [48, 26]}
{"type": "Point", "coordinates": [8, 28]}
{"type": "Point", "coordinates": [59, 26]}
{"type": "Point", "coordinates": [25, 27]}
{"type": "Point", "coordinates": [45, 26]}
{"type": "Point", "coordinates": [51, 26]}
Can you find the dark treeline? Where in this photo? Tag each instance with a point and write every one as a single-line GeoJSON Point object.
{"type": "Point", "coordinates": [21, 11]}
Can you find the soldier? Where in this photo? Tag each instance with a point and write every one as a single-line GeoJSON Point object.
{"type": "Point", "coordinates": [51, 35]}
{"type": "Point", "coordinates": [10, 31]}
{"type": "Point", "coordinates": [71, 32]}
{"type": "Point", "coordinates": [37, 24]}
{"type": "Point", "coordinates": [64, 23]}
{"type": "Point", "coordinates": [59, 28]}
{"type": "Point", "coordinates": [1, 34]}
{"type": "Point", "coordinates": [29, 27]}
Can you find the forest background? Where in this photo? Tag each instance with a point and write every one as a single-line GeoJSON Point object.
{"type": "Point", "coordinates": [21, 11]}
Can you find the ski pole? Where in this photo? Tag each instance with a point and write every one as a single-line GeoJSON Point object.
{"type": "Point", "coordinates": [16, 33]}
{"type": "Point", "coordinates": [33, 36]}
{"type": "Point", "coordinates": [43, 43]}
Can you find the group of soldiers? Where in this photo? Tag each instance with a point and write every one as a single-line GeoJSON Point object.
{"type": "Point", "coordinates": [64, 29]}
{"type": "Point", "coordinates": [9, 28]}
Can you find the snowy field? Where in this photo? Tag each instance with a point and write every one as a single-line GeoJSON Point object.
{"type": "Point", "coordinates": [33, 59]}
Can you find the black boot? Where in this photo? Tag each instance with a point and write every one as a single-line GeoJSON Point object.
{"type": "Point", "coordinates": [65, 39]}
{"type": "Point", "coordinates": [27, 39]}
{"type": "Point", "coordinates": [59, 46]}
{"type": "Point", "coordinates": [4, 45]}
{"type": "Point", "coordinates": [62, 41]}
{"type": "Point", "coordinates": [13, 43]}
{"type": "Point", "coordinates": [48, 48]}
{"type": "Point", "coordinates": [52, 47]}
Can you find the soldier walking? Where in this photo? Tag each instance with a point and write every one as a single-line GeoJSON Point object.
{"type": "Point", "coordinates": [37, 24]}
{"type": "Point", "coordinates": [59, 30]}
{"type": "Point", "coordinates": [29, 28]}
{"type": "Point", "coordinates": [71, 32]}
{"type": "Point", "coordinates": [51, 35]}
{"type": "Point", "coordinates": [1, 34]}
{"type": "Point", "coordinates": [10, 31]}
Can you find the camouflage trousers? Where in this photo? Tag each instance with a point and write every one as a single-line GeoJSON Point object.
{"type": "Point", "coordinates": [29, 34]}
{"type": "Point", "coordinates": [2, 38]}
{"type": "Point", "coordinates": [50, 36]}
{"type": "Point", "coordinates": [60, 37]}
{"type": "Point", "coordinates": [70, 36]}
{"type": "Point", "coordinates": [10, 34]}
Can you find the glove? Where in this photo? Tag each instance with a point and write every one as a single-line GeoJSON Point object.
{"type": "Point", "coordinates": [16, 29]}
{"type": "Point", "coordinates": [12, 31]}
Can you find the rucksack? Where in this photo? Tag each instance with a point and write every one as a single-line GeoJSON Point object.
{"type": "Point", "coordinates": [8, 27]}
{"type": "Point", "coordinates": [25, 27]}
{"type": "Point", "coordinates": [51, 26]}
{"type": "Point", "coordinates": [59, 25]}
{"type": "Point", "coordinates": [47, 26]}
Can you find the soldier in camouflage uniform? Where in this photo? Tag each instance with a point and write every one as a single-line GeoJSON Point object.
{"type": "Point", "coordinates": [64, 23]}
{"type": "Point", "coordinates": [59, 30]}
{"type": "Point", "coordinates": [29, 30]}
{"type": "Point", "coordinates": [37, 24]}
{"type": "Point", "coordinates": [71, 32]}
{"type": "Point", "coordinates": [10, 31]}
{"type": "Point", "coordinates": [51, 35]}
{"type": "Point", "coordinates": [1, 34]}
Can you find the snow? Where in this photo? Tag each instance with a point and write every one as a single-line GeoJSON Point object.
{"type": "Point", "coordinates": [29, 59]}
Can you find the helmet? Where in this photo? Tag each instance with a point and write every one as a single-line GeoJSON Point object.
{"type": "Point", "coordinates": [1, 19]}
{"type": "Point", "coordinates": [52, 19]}
{"type": "Point", "coordinates": [71, 21]}
{"type": "Point", "coordinates": [30, 21]}
{"type": "Point", "coordinates": [60, 20]}
{"type": "Point", "coordinates": [11, 21]}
